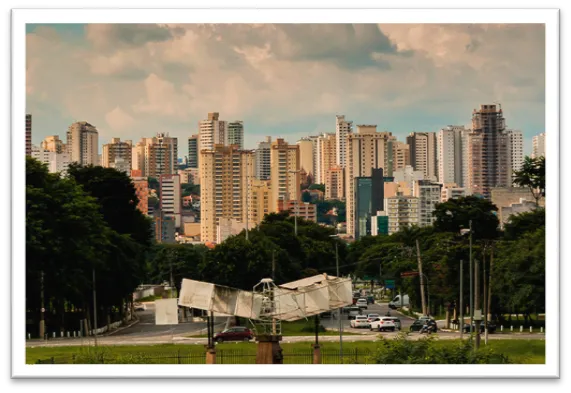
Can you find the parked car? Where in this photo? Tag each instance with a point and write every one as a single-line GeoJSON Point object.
{"type": "Point", "coordinates": [370, 299]}
{"type": "Point", "coordinates": [491, 328]}
{"type": "Point", "coordinates": [361, 303]}
{"type": "Point", "coordinates": [419, 323]}
{"type": "Point", "coordinates": [397, 322]}
{"type": "Point", "coordinates": [360, 321]}
{"type": "Point", "coordinates": [236, 333]}
{"type": "Point", "coordinates": [140, 307]}
{"type": "Point", "coordinates": [354, 312]}
{"type": "Point", "coordinates": [382, 324]}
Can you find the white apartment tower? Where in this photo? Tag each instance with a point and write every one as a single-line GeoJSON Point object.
{"type": "Point", "coordinates": [171, 201]}
{"type": "Point", "coordinates": [429, 195]}
{"type": "Point", "coordinates": [403, 211]}
{"type": "Point", "coordinates": [83, 143]}
{"type": "Point", "coordinates": [516, 149]}
{"type": "Point", "coordinates": [342, 130]}
{"type": "Point", "coordinates": [450, 157]}
{"type": "Point", "coordinates": [538, 146]}
{"type": "Point", "coordinates": [365, 152]}
{"type": "Point", "coordinates": [212, 131]}
{"type": "Point", "coordinates": [262, 157]}
{"type": "Point", "coordinates": [423, 152]}
{"type": "Point", "coordinates": [235, 134]}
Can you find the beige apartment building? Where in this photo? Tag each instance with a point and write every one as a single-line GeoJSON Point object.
{"type": "Point", "coordinates": [54, 144]}
{"type": "Point", "coordinates": [285, 177]}
{"type": "Point", "coordinates": [116, 151]}
{"type": "Point", "coordinates": [366, 150]}
{"type": "Point", "coordinates": [335, 183]}
{"type": "Point", "coordinates": [156, 156]}
{"type": "Point", "coordinates": [326, 156]}
{"type": "Point", "coordinates": [401, 156]}
{"type": "Point", "coordinates": [83, 143]}
{"type": "Point", "coordinates": [259, 201]}
{"type": "Point", "coordinates": [306, 157]}
{"type": "Point", "coordinates": [489, 153]}
{"type": "Point", "coordinates": [403, 211]}
{"type": "Point", "coordinates": [225, 172]}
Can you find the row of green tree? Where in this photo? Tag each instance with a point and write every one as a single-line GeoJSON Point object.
{"type": "Point", "coordinates": [78, 226]}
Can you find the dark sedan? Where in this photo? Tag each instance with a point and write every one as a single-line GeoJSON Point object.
{"type": "Point", "coordinates": [237, 333]}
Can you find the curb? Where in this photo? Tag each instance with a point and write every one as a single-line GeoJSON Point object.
{"type": "Point", "coordinates": [122, 328]}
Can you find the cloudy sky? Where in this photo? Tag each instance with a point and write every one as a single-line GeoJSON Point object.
{"type": "Point", "coordinates": [132, 81]}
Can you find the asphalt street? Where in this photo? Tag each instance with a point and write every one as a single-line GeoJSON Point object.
{"type": "Point", "coordinates": [145, 332]}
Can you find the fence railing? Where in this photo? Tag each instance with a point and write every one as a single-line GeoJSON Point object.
{"type": "Point", "coordinates": [223, 356]}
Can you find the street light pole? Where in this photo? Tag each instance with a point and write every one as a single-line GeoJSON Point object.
{"type": "Point", "coordinates": [94, 310]}
{"type": "Point", "coordinates": [247, 198]}
{"type": "Point", "coordinates": [471, 285]}
{"type": "Point", "coordinates": [461, 319]}
{"type": "Point", "coordinates": [339, 310]}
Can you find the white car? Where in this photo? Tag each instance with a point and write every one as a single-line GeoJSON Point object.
{"type": "Point", "coordinates": [360, 321]}
{"type": "Point", "coordinates": [370, 317]}
{"type": "Point", "coordinates": [353, 312]}
{"type": "Point", "coordinates": [382, 324]}
{"type": "Point", "coordinates": [361, 303]}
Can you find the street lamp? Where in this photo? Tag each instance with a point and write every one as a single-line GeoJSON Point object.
{"type": "Point", "coordinates": [339, 310]}
{"type": "Point", "coordinates": [296, 209]}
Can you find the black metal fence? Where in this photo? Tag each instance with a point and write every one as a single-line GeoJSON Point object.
{"type": "Point", "coordinates": [223, 356]}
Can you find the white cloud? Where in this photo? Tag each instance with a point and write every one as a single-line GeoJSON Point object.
{"type": "Point", "coordinates": [119, 120]}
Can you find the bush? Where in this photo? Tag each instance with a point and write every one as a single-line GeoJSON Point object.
{"type": "Point", "coordinates": [401, 350]}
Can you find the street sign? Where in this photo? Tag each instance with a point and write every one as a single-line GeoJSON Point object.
{"type": "Point", "coordinates": [478, 315]}
{"type": "Point", "coordinates": [390, 284]}
{"type": "Point", "coordinates": [409, 274]}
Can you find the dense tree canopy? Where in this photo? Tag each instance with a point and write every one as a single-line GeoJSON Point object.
{"type": "Point", "coordinates": [455, 215]}
{"type": "Point", "coordinates": [532, 176]}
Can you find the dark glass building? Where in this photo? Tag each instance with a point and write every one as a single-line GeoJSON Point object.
{"type": "Point", "coordinates": [369, 199]}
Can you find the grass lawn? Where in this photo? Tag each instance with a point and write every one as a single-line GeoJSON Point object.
{"type": "Point", "coordinates": [519, 351]}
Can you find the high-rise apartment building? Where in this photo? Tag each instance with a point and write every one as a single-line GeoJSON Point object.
{"type": "Point", "coordinates": [369, 199]}
{"type": "Point", "coordinates": [193, 152]}
{"type": "Point", "coordinates": [56, 162]}
{"type": "Point", "coordinates": [83, 143]}
{"type": "Point", "coordinates": [326, 150]}
{"type": "Point", "coordinates": [156, 156]}
{"type": "Point", "coordinates": [453, 191]}
{"type": "Point", "coordinates": [28, 135]}
{"type": "Point", "coordinates": [450, 154]}
{"type": "Point", "coordinates": [211, 131]}
{"type": "Point", "coordinates": [342, 130]}
{"type": "Point", "coordinates": [366, 150]}
{"type": "Point", "coordinates": [516, 150]}
{"type": "Point", "coordinates": [263, 160]}
{"type": "Point", "coordinates": [423, 152]}
{"type": "Point", "coordinates": [489, 152]}
{"type": "Point", "coordinates": [401, 156]}
{"type": "Point", "coordinates": [225, 175]}
{"type": "Point", "coordinates": [259, 202]}
{"type": "Point", "coordinates": [235, 134]}
{"type": "Point", "coordinates": [306, 156]}
{"type": "Point", "coordinates": [171, 199]}
{"type": "Point", "coordinates": [538, 146]}
{"type": "Point", "coordinates": [429, 195]}
{"type": "Point", "coordinates": [335, 183]}
{"type": "Point", "coordinates": [403, 211]}
{"type": "Point", "coordinates": [285, 178]}
{"type": "Point", "coordinates": [116, 152]}
{"type": "Point", "coordinates": [53, 143]}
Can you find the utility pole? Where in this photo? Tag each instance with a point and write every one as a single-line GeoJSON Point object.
{"type": "Point", "coordinates": [274, 332]}
{"type": "Point", "coordinates": [471, 285]}
{"type": "Point", "coordinates": [485, 293]}
{"type": "Point", "coordinates": [489, 305]}
{"type": "Point", "coordinates": [477, 300]}
{"type": "Point", "coordinates": [42, 308]}
{"type": "Point", "coordinates": [247, 198]}
{"type": "Point", "coordinates": [461, 319]}
{"type": "Point", "coordinates": [339, 310]}
{"type": "Point", "coordinates": [94, 309]}
{"type": "Point", "coordinates": [421, 278]}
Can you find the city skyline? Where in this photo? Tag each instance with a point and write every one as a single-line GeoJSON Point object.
{"type": "Point", "coordinates": [132, 81]}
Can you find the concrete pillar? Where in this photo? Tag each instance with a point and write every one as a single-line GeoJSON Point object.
{"type": "Point", "coordinates": [211, 356]}
{"type": "Point", "coordinates": [447, 325]}
{"type": "Point", "coordinates": [269, 350]}
{"type": "Point", "coordinates": [316, 354]}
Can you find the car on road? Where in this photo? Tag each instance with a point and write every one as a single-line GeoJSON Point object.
{"type": "Point", "coordinates": [419, 323]}
{"type": "Point", "coordinates": [397, 322]}
{"type": "Point", "coordinates": [382, 324]}
{"type": "Point", "coordinates": [399, 301]}
{"type": "Point", "coordinates": [370, 317]}
{"type": "Point", "coordinates": [354, 312]}
{"type": "Point", "coordinates": [236, 333]}
{"type": "Point", "coordinates": [491, 328]}
{"type": "Point", "coordinates": [360, 321]}
{"type": "Point", "coordinates": [140, 307]}
{"type": "Point", "coordinates": [370, 299]}
{"type": "Point", "coordinates": [361, 303]}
